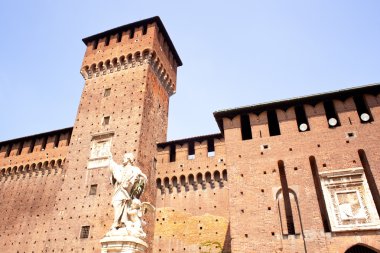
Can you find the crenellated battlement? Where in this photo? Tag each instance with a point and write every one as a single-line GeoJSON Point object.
{"type": "Point", "coordinates": [131, 46]}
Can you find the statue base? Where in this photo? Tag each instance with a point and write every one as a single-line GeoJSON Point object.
{"type": "Point", "coordinates": [119, 243]}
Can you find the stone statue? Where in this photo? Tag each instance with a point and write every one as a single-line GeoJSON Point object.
{"type": "Point", "coordinates": [129, 183]}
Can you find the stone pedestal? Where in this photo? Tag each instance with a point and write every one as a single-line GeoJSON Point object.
{"type": "Point", "coordinates": [122, 244]}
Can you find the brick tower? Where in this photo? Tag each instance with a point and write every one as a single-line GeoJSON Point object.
{"type": "Point", "coordinates": [130, 73]}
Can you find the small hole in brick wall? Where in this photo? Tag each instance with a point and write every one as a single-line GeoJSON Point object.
{"type": "Point", "coordinates": [324, 165]}
{"type": "Point", "coordinates": [295, 168]}
{"type": "Point", "coordinates": [246, 235]}
{"type": "Point", "coordinates": [262, 153]}
{"type": "Point", "coordinates": [318, 145]}
{"type": "Point", "coordinates": [265, 146]}
{"type": "Point", "coordinates": [273, 233]}
{"type": "Point", "coordinates": [241, 193]}
{"type": "Point", "coordinates": [265, 172]}
{"type": "Point", "coordinates": [347, 141]}
{"type": "Point", "coordinates": [269, 208]}
{"type": "Point", "coordinates": [242, 210]}
{"type": "Point", "coordinates": [290, 149]}
{"type": "Point", "coordinates": [239, 156]}
{"type": "Point", "coordinates": [353, 161]}
{"type": "Point", "coordinates": [274, 171]}
{"type": "Point", "coordinates": [350, 134]}
{"type": "Point", "coordinates": [262, 190]}
{"type": "Point", "coordinates": [242, 175]}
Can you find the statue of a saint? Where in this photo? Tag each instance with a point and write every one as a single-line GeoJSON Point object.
{"type": "Point", "coordinates": [129, 183]}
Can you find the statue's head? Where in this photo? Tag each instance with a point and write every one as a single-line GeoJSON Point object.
{"type": "Point", "coordinates": [128, 158]}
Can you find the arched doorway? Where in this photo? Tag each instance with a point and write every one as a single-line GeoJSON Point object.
{"type": "Point", "coordinates": [360, 249]}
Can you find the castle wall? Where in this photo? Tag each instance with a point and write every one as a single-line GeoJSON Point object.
{"type": "Point", "coordinates": [257, 212]}
{"type": "Point", "coordinates": [192, 199]}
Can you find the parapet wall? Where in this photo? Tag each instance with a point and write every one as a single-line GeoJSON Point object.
{"type": "Point", "coordinates": [192, 196]}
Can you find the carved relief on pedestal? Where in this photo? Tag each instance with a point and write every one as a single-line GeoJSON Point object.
{"type": "Point", "coordinates": [349, 200]}
{"type": "Point", "coordinates": [100, 151]}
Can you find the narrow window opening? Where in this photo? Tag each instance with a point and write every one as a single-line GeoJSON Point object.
{"type": "Point", "coordinates": [131, 33]}
{"type": "Point", "coordinates": [9, 149]}
{"type": "Point", "coordinates": [84, 232]}
{"type": "Point", "coordinates": [287, 204]}
{"type": "Point", "coordinates": [363, 109]}
{"type": "Point", "coordinates": [43, 145]}
{"type": "Point", "coordinates": [69, 138]}
{"type": "Point", "coordinates": [19, 150]}
{"type": "Point", "coordinates": [107, 41]}
{"type": "Point", "coordinates": [107, 92]}
{"type": "Point", "coordinates": [246, 132]}
{"type": "Point", "coordinates": [32, 144]}
{"type": "Point", "coordinates": [56, 141]}
{"type": "Point", "coordinates": [210, 148]}
{"type": "Point", "coordinates": [370, 179]}
{"type": "Point", "coordinates": [119, 36]}
{"type": "Point", "coordinates": [145, 29]}
{"type": "Point", "coordinates": [319, 192]}
{"type": "Point", "coordinates": [302, 122]}
{"type": "Point", "coordinates": [331, 114]}
{"type": "Point", "coordinates": [95, 44]}
{"type": "Point", "coordinates": [106, 120]}
{"type": "Point", "coordinates": [191, 151]}
{"type": "Point", "coordinates": [93, 189]}
{"type": "Point", "coordinates": [273, 124]}
{"type": "Point", "coordinates": [172, 153]}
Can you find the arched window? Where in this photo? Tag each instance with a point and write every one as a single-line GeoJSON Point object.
{"type": "Point", "coordinates": [359, 249]}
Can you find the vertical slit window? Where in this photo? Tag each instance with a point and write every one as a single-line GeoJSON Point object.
{"type": "Point", "coordinates": [9, 149]}
{"type": "Point", "coordinates": [95, 44]}
{"type": "Point", "coordinates": [273, 124]}
{"type": "Point", "coordinates": [44, 141]}
{"type": "Point", "coordinates": [331, 114]}
{"type": "Point", "coordinates": [32, 144]}
{"type": "Point", "coordinates": [210, 148]}
{"type": "Point", "coordinates": [246, 132]}
{"type": "Point", "coordinates": [319, 192]}
{"type": "Point", "coordinates": [191, 151]}
{"type": "Point", "coordinates": [145, 29]}
{"type": "Point", "coordinates": [370, 179]}
{"type": "Point", "coordinates": [285, 192]}
{"type": "Point", "coordinates": [302, 122]}
{"type": "Point", "coordinates": [172, 153]}
{"type": "Point", "coordinates": [107, 41]}
{"type": "Point", "coordinates": [363, 109]}
{"type": "Point", "coordinates": [119, 36]}
{"type": "Point", "coordinates": [56, 141]}
{"type": "Point", "coordinates": [131, 33]}
{"type": "Point", "coordinates": [19, 150]}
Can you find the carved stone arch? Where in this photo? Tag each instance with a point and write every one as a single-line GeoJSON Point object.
{"type": "Point", "coordinates": [27, 168]}
{"type": "Point", "coordinates": [190, 179]}
{"type": "Point", "coordinates": [52, 164]}
{"type": "Point", "coordinates": [217, 177]}
{"type": "Point", "coordinates": [159, 183]}
{"type": "Point", "coordinates": [137, 57]}
{"type": "Point", "coordinates": [39, 166]}
{"type": "Point", "coordinates": [108, 67]}
{"type": "Point", "coordinates": [153, 56]}
{"type": "Point", "coordinates": [182, 180]}
{"type": "Point", "coordinates": [20, 169]}
{"type": "Point", "coordinates": [93, 70]}
{"type": "Point", "coordinates": [45, 165]}
{"type": "Point", "coordinates": [3, 171]}
{"type": "Point", "coordinates": [361, 248]}
{"type": "Point", "coordinates": [59, 163]}
{"type": "Point", "coordinates": [224, 175]}
{"type": "Point", "coordinates": [175, 184]}
{"type": "Point", "coordinates": [33, 166]}
{"type": "Point", "coordinates": [146, 55]}
{"type": "Point", "coordinates": [166, 182]}
{"type": "Point", "coordinates": [115, 64]}
{"type": "Point", "coordinates": [14, 170]}
{"type": "Point", "coordinates": [9, 170]}
{"type": "Point", "coordinates": [101, 68]}
{"type": "Point", "coordinates": [85, 72]}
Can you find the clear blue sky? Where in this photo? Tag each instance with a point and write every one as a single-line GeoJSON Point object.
{"type": "Point", "coordinates": [235, 53]}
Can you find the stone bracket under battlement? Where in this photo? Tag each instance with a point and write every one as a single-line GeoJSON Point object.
{"type": "Point", "coordinates": [148, 57]}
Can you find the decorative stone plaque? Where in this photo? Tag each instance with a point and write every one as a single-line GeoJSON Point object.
{"type": "Point", "coordinates": [100, 151]}
{"type": "Point", "coordinates": [349, 200]}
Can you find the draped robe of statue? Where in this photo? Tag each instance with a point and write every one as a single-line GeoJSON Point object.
{"type": "Point", "coordinates": [129, 183]}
